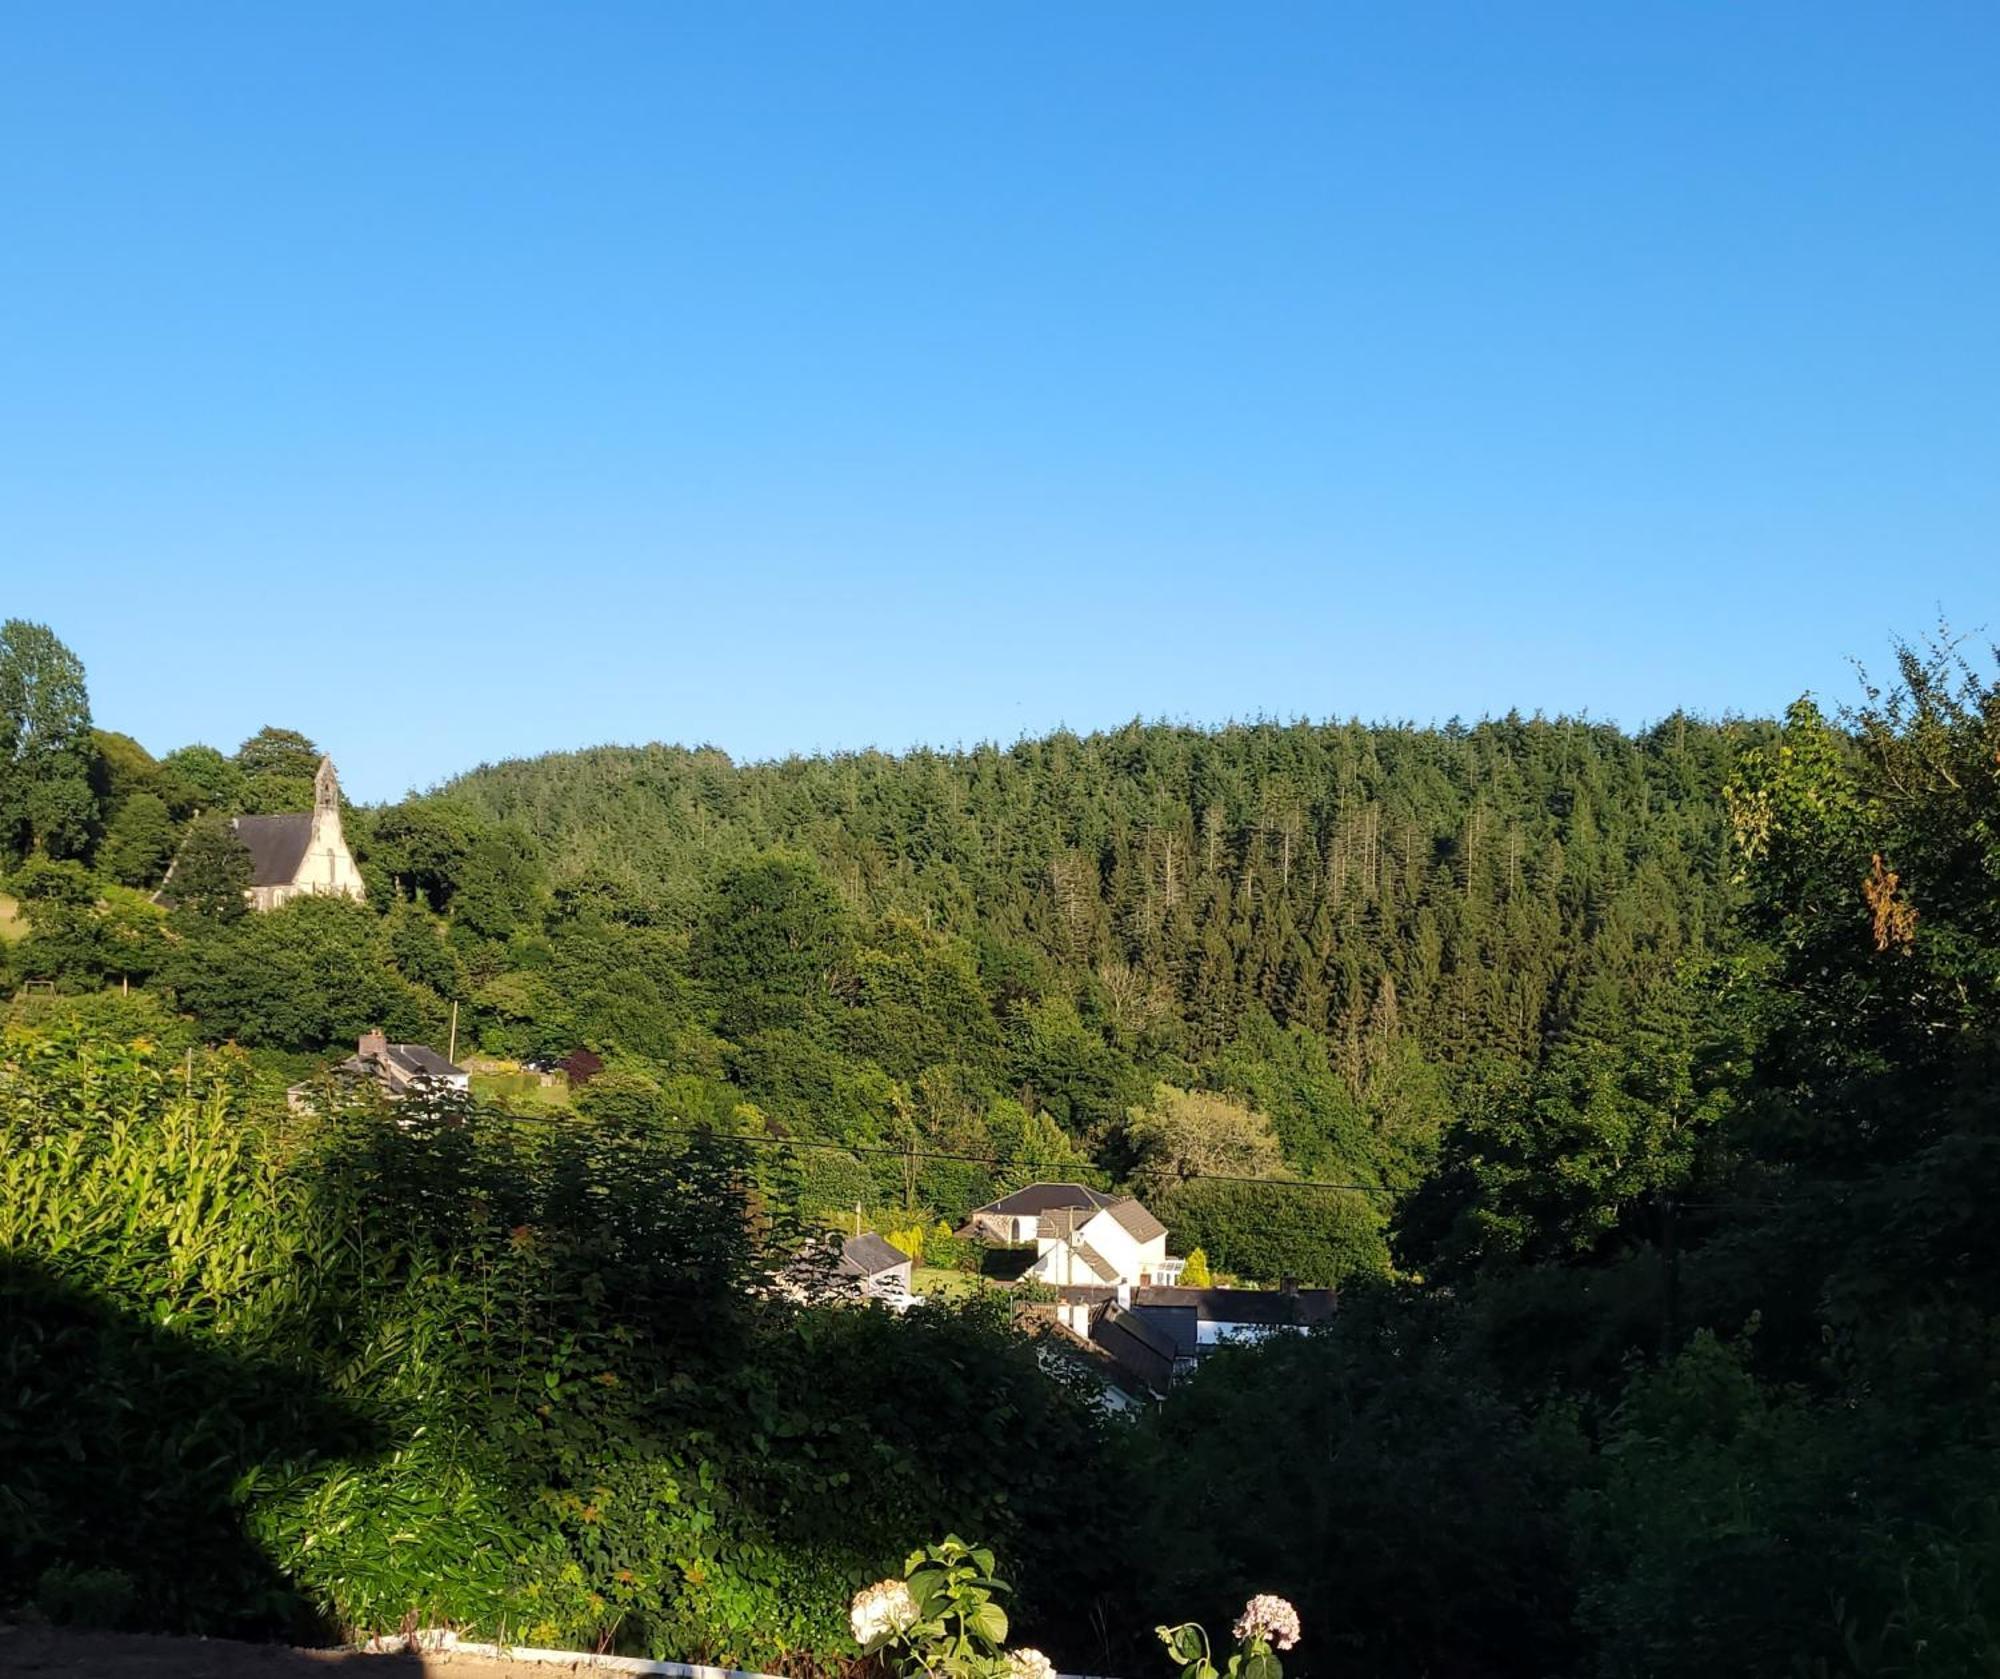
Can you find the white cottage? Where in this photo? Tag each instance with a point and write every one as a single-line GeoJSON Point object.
{"type": "Point", "coordinates": [1082, 1236]}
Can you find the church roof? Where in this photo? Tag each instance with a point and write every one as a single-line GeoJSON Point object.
{"type": "Point", "coordinates": [277, 845]}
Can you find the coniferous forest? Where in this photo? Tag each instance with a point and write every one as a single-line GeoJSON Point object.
{"type": "Point", "coordinates": [1635, 1089]}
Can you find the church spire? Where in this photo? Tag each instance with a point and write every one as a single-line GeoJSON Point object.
{"type": "Point", "coordinates": [326, 787]}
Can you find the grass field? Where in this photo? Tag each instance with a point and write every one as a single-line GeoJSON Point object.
{"type": "Point", "coordinates": [936, 1284]}
{"type": "Point", "coordinates": [522, 1092]}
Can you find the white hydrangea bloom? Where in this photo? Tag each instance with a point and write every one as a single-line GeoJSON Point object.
{"type": "Point", "coordinates": [1269, 1618]}
{"type": "Point", "coordinates": [883, 1608]}
{"type": "Point", "coordinates": [1029, 1664]}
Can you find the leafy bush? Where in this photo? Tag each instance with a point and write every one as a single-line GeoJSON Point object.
{"type": "Point", "coordinates": [1266, 1232]}
{"type": "Point", "coordinates": [942, 1620]}
{"type": "Point", "coordinates": [522, 1378]}
{"type": "Point", "coordinates": [85, 1597]}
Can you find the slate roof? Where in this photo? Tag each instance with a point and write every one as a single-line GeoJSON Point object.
{"type": "Point", "coordinates": [1135, 1346]}
{"type": "Point", "coordinates": [1149, 1335]}
{"type": "Point", "coordinates": [867, 1255]}
{"type": "Point", "coordinates": [421, 1061]}
{"type": "Point", "coordinates": [1064, 1221]}
{"type": "Point", "coordinates": [277, 845]}
{"type": "Point", "coordinates": [1139, 1224]}
{"type": "Point", "coordinates": [1245, 1305]}
{"type": "Point", "coordinates": [1045, 1198]}
{"type": "Point", "coordinates": [1096, 1261]}
{"type": "Point", "coordinates": [1217, 1305]}
{"type": "Point", "coordinates": [411, 1060]}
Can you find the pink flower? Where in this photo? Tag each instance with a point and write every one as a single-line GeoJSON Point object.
{"type": "Point", "coordinates": [1268, 1620]}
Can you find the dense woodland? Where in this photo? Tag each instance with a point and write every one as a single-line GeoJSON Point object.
{"type": "Point", "coordinates": [1662, 1068]}
{"type": "Point", "coordinates": [1011, 956]}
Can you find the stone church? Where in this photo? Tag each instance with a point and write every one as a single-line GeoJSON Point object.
{"type": "Point", "coordinates": [301, 851]}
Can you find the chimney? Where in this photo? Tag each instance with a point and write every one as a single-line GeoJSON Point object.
{"type": "Point", "coordinates": [1290, 1285]}
{"type": "Point", "coordinates": [375, 1044]}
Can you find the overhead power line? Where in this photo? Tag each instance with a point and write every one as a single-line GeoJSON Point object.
{"type": "Point", "coordinates": [814, 1145]}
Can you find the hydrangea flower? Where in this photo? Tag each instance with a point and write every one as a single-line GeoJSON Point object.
{"type": "Point", "coordinates": [884, 1608]}
{"type": "Point", "coordinates": [1029, 1664]}
{"type": "Point", "coordinates": [1268, 1619]}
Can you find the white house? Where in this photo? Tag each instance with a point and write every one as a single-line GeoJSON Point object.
{"type": "Point", "coordinates": [400, 1066]}
{"type": "Point", "coordinates": [1120, 1245]}
{"type": "Point", "coordinates": [1082, 1236]}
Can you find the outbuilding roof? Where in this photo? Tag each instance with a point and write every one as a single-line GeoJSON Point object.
{"type": "Point", "coordinates": [867, 1255]}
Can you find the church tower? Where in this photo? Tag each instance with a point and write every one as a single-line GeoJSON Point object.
{"type": "Point", "coordinates": [327, 865]}
{"type": "Point", "coordinates": [300, 852]}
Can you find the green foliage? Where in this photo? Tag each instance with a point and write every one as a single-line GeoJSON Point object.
{"type": "Point", "coordinates": [953, 1623]}
{"type": "Point", "coordinates": [140, 841]}
{"type": "Point", "coordinates": [1719, 1339]}
{"type": "Point", "coordinates": [1181, 1134]}
{"type": "Point", "coordinates": [47, 801]}
{"type": "Point", "coordinates": [278, 752]}
{"type": "Point", "coordinates": [212, 872]}
{"type": "Point", "coordinates": [1621, 1090]}
{"type": "Point", "coordinates": [102, 1598]}
{"type": "Point", "coordinates": [1188, 1646]}
{"type": "Point", "coordinates": [522, 1378]}
{"type": "Point", "coordinates": [315, 972]}
{"type": "Point", "coordinates": [769, 949]}
{"type": "Point", "coordinates": [1269, 1234]}
{"type": "Point", "coordinates": [199, 779]}
{"type": "Point", "coordinates": [1195, 1273]}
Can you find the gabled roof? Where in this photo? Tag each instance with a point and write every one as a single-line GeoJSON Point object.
{"type": "Point", "coordinates": [411, 1060]}
{"type": "Point", "coordinates": [1135, 1346]}
{"type": "Point", "coordinates": [1139, 1224]}
{"type": "Point", "coordinates": [1040, 1198]}
{"type": "Point", "coordinates": [1064, 1221]}
{"type": "Point", "coordinates": [277, 845]}
{"type": "Point", "coordinates": [1097, 1262]}
{"type": "Point", "coordinates": [1135, 1324]}
{"type": "Point", "coordinates": [421, 1061]}
{"type": "Point", "coordinates": [867, 1255]}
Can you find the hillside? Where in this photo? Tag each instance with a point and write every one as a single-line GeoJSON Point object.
{"type": "Point", "coordinates": [1158, 956]}
{"type": "Point", "coordinates": [1354, 930]}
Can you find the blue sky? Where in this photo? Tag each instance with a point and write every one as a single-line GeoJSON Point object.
{"type": "Point", "coordinates": [461, 381]}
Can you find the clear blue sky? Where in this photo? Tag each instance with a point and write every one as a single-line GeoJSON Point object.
{"type": "Point", "coordinates": [461, 381]}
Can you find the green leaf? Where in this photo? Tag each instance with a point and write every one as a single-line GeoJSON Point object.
{"type": "Point", "coordinates": [988, 1621]}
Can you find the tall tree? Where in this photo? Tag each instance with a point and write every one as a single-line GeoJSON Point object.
{"type": "Point", "coordinates": [47, 803]}
{"type": "Point", "coordinates": [212, 873]}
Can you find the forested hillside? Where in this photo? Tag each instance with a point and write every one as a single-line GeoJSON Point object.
{"type": "Point", "coordinates": [1662, 1071]}
{"type": "Point", "coordinates": [1161, 955]}
{"type": "Point", "coordinates": [1353, 931]}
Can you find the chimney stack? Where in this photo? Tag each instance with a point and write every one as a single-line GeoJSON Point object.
{"type": "Point", "coordinates": [375, 1044]}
